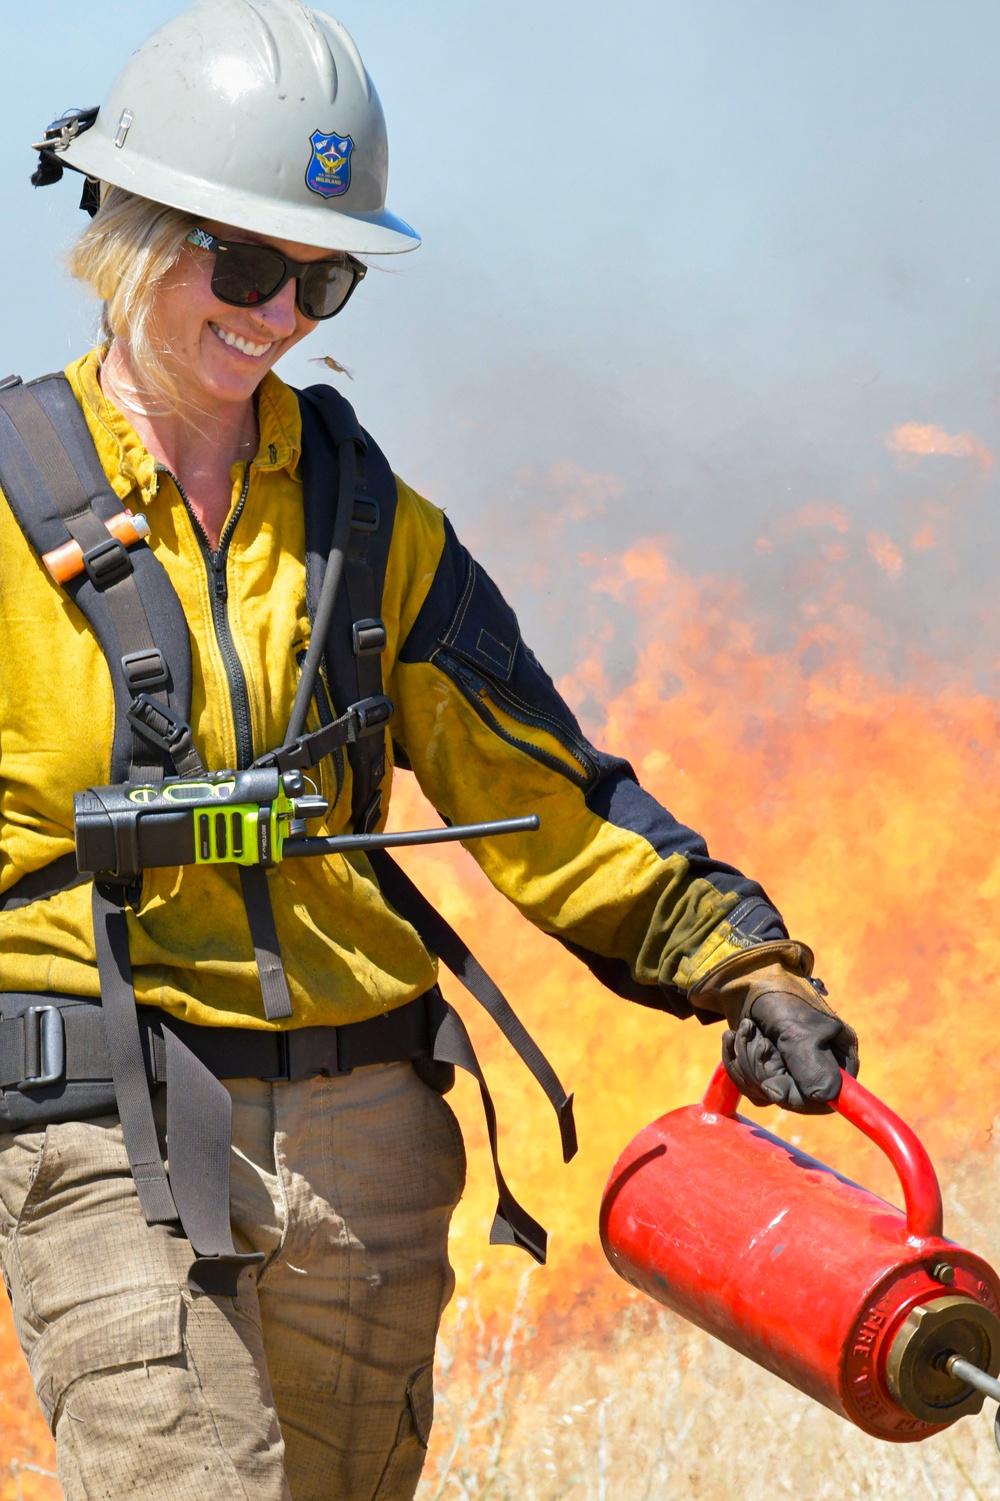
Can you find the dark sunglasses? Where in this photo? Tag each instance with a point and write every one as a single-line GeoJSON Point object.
{"type": "Point", "coordinates": [247, 275]}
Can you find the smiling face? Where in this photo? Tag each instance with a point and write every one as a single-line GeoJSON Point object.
{"type": "Point", "coordinates": [215, 352]}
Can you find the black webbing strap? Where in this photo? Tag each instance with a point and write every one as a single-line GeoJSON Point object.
{"type": "Point", "coordinates": [109, 565]}
{"type": "Point", "coordinates": [128, 1069]}
{"type": "Point", "coordinates": [199, 1141]}
{"type": "Point", "coordinates": [157, 723]}
{"type": "Point", "coordinates": [84, 1046]}
{"type": "Point", "coordinates": [350, 676]}
{"type": "Point", "coordinates": [199, 1116]}
{"type": "Point", "coordinates": [309, 749]}
{"type": "Point", "coordinates": [441, 938]}
{"type": "Point", "coordinates": [512, 1225]}
{"type": "Point", "coordinates": [266, 946]}
{"type": "Point", "coordinates": [367, 757]}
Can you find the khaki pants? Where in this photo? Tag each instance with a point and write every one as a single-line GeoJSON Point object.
{"type": "Point", "coordinates": [315, 1382]}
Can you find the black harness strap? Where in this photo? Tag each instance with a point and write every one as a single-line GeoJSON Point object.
{"type": "Point", "coordinates": [56, 487]}
{"type": "Point", "coordinates": [135, 1106]}
{"type": "Point", "coordinates": [441, 938]}
{"type": "Point", "coordinates": [199, 1143]}
{"type": "Point", "coordinates": [512, 1225]}
{"type": "Point", "coordinates": [356, 637]}
{"type": "Point", "coordinates": [106, 560]}
{"type": "Point", "coordinates": [199, 1117]}
{"type": "Point", "coordinates": [368, 641]}
{"type": "Point", "coordinates": [266, 945]}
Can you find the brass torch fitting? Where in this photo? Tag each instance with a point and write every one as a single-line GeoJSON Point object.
{"type": "Point", "coordinates": [933, 1332]}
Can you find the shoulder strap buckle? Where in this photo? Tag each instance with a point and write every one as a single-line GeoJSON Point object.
{"type": "Point", "coordinates": [366, 515]}
{"type": "Point", "coordinates": [107, 563]}
{"type": "Point", "coordinates": [162, 727]}
{"type": "Point", "coordinates": [370, 638]}
{"type": "Point", "coordinates": [145, 670]}
{"type": "Point", "coordinates": [370, 715]}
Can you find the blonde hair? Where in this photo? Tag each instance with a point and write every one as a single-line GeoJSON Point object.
{"type": "Point", "coordinates": [123, 255]}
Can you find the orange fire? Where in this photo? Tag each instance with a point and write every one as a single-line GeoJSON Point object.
{"type": "Point", "coordinates": [866, 806]}
{"type": "Point", "coordinates": [867, 809]}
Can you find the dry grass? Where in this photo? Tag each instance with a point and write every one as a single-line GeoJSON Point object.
{"type": "Point", "coordinates": [660, 1412]}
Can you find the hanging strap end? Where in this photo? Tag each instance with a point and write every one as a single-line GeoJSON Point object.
{"type": "Point", "coordinates": [219, 1275]}
{"type": "Point", "coordinates": [528, 1237]}
{"type": "Point", "coordinates": [567, 1129]}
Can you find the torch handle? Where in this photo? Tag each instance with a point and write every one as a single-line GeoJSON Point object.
{"type": "Point", "coordinates": [902, 1146]}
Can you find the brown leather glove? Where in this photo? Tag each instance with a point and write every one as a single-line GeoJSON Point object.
{"type": "Point", "coordinates": [785, 1046]}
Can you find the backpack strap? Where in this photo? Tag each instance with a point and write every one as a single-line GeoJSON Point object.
{"type": "Point", "coordinates": [57, 490]}
{"type": "Point", "coordinates": [55, 485]}
{"type": "Point", "coordinates": [357, 636]}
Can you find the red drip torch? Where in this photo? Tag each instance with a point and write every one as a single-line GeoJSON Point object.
{"type": "Point", "coordinates": [867, 1310]}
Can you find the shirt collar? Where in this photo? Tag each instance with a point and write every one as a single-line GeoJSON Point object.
{"type": "Point", "coordinates": [128, 463]}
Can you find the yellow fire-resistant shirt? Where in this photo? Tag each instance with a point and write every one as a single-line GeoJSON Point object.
{"type": "Point", "coordinates": [611, 873]}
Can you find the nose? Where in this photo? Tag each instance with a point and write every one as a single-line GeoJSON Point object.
{"type": "Point", "coordinates": [278, 316]}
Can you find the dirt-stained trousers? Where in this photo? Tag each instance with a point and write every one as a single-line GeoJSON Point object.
{"type": "Point", "coordinates": [315, 1382]}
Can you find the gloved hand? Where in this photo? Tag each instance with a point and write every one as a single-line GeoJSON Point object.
{"type": "Point", "coordinates": [785, 1045]}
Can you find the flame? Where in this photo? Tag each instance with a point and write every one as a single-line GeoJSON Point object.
{"type": "Point", "coordinates": [866, 804]}
{"type": "Point", "coordinates": [923, 440]}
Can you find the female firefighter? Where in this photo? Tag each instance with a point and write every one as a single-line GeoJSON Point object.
{"type": "Point", "coordinates": [234, 1288]}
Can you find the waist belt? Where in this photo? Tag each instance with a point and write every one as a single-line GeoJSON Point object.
{"type": "Point", "coordinates": [56, 1064]}
{"type": "Point", "coordinates": [60, 1040]}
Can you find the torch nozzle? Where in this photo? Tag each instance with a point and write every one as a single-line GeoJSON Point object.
{"type": "Point", "coordinates": [964, 1370]}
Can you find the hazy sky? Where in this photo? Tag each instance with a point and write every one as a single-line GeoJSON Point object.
{"type": "Point", "coordinates": [713, 251]}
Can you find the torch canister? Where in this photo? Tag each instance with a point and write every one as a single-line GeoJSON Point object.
{"type": "Point", "coordinates": [862, 1307]}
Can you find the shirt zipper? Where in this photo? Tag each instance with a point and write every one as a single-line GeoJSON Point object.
{"type": "Point", "coordinates": [215, 563]}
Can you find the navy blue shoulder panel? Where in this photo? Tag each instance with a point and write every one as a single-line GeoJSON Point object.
{"type": "Point", "coordinates": [468, 629]}
{"type": "Point", "coordinates": [439, 608]}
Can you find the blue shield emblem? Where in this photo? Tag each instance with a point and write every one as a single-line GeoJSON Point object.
{"type": "Point", "coordinates": [329, 170]}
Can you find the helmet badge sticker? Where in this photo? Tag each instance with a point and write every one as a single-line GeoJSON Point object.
{"type": "Point", "coordinates": [329, 169]}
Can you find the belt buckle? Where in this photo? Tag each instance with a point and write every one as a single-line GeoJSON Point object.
{"type": "Point", "coordinates": [283, 1076]}
{"type": "Point", "coordinates": [299, 1058]}
{"type": "Point", "coordinates": [50, 1049]}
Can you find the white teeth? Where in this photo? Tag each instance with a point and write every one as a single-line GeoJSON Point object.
{"type": "Point", "coordinates": [236, 341]}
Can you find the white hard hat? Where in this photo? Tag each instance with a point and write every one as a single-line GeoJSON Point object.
{"type": "Point", "coordinates": [255, 113]}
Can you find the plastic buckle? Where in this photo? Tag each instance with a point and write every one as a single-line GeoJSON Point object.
{"type": "Point", "coordinates": [371, 714]}
{"type": "Point", "coordinates": [283, 1076]}
{"type": "Point", "coordinates": [300, 1055]}
{"type": "Point", "coordinates": [366, 515]}
{"type": "Point", "coordinates": [107, 563]}
{"type": "Point", "coordinates": [370, 638]}
{"type": "Point", "coordinates": [144, 670]}
{"type": "Point", "coordinates": [44, 1047]}
{"type": "Point", "coordinates": [143, 714]}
